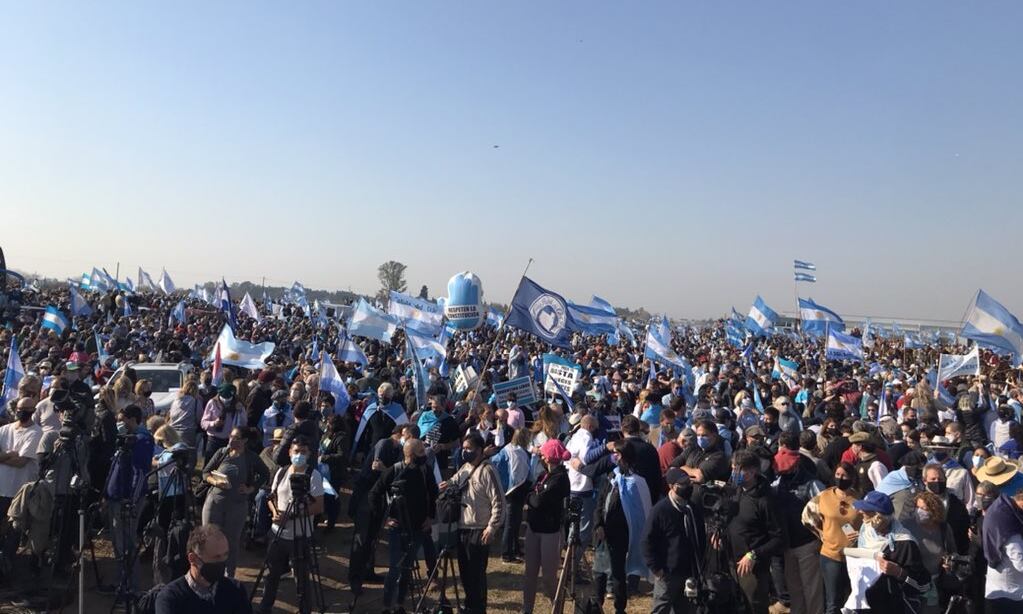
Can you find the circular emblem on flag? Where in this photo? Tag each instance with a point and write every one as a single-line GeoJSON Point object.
{"type": "Point", "coordinates": [548, 314]}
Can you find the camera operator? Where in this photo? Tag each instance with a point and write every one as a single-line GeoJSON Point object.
{"type": "Point", "coordinates": [481, 520]}
{"type": "Point", "coordinates": [289, 529]}
{"type": "Point", "coordinates": [19, 442]}
{"type": "Point", "coordinates": [707, 461]}
{"type": "Point", "coordinates": [1003, 548]}
{"type": "Point", "coordinates": [406, 494]}
{"type": "Point", "coordinates": [125, 483]}
{"type": "Point", "coordinates": [673, 539]}
{"type": "Point", "coordinates": [754, 532]}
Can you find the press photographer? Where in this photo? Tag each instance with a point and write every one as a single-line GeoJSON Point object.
{"type": "Point", "coordinates": [124, 487]}
{"type": "Point", "coordinates": [406, 495]}
{"type": "Point", "coordinates": [294, 487]}
{"type": "Point", "coordinates": [673, 542]}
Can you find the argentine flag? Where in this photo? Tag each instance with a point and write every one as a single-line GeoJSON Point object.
{"type": "Point", "coordinates": [165, 282]}
{"type": "Point", "coordinates": [494, 317]}
{"type": "Point", "coordinates": [602, 305]}
{"type": "Point", "coordinates": [54, 320]}
{"type": "Point", "coordinates": [178, 313]}
{"type": "Point", "coordinates": [735, 335]}
{"type": "Point", "coordinates": [802, 264]}
{"type": "Point", "coordinates": [419, 379]}
{"type": "Point", "coordinates": [816, 319]}
{"type": "Point", "coordinates": [991, 326]}
{"type": "Point", "coordinates": [425, 345]}
{"type": "Point", "coordinates": [787, 371]}
{"type": "Point", "coordinates": [761, 318]}
{"type": "Point", "coordinates": [349, 351]}
{"type": "Point", "coordinates": [241, 353]}
{"type": "Point", "coordinates": [79, 306]}
{"type": "Point", "coordinates": [86, 283]}
{"type": "Point", "coordinates": [330, 381]}
{"type": "Point", "coordinates": [422, 315]}
{"type": "Point", "coordinates": [868, 335]}
{"type": "Point", "coordinates": [658, 350]}
{"type": "Point", "coordinates": [368, 321]}
{"type": "Point", "coordinates": [12, 376]}
{"type": "Point", "coordinates": [952, 365]}
{"type": "Point", "coordinates": [911, 341]}
{"type": "Point", "coordinates": [593, 320]}
{"type": "Point", "coordinates": [98, 281]}
{"type": "Point", "coordinates": [843, 347]}
{"type": "Point", "coordinates": [806, 277]}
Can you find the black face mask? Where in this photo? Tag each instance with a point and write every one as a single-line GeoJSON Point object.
{"type": "Point", "coordinates": [911, 423]}
{"type": "Point", "coordinates": [843, 483]}
{"type": "Point", "coordinates": [419, 461]}
{"type": "Point", "coordinates": [937, 488]}
{"type": "Point", "coordinates": [212, 572]}
{"type": "Point", "coordinates": [913, 472]}
{"type": "Point", "coordinates": [684, 492]}
{"type": "Point", "coordinates": [23, 415]}
{"type": "Point", "coordinates": [985, 501]}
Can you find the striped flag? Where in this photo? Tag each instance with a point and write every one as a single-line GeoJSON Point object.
{"type": "Point", "coordinates": [12, 376]}
{"type": "Point", "coordinates": [802, 264]}
{"type": "Point", "coordinates": [806, 277]}
{"type": "Point", "coordinates": [54, 320]}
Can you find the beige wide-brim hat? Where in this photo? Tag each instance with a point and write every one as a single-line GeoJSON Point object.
{"type": "Point", "coordinates": [996, 470]}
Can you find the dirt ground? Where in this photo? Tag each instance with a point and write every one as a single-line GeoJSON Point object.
{"type": "Point", "coordinates": [505, 581]}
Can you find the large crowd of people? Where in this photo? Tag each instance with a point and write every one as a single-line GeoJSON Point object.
{"type": "Point", "coordinates": [734, 486]}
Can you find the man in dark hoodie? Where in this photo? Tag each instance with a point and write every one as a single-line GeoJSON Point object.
{"type": "Point", "coordinates": [754, 532]}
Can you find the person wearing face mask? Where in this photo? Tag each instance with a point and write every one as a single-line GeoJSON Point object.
{"type": "Point", "coordinates": [956, 514]}
{"type": "Point", "coordinates": [233, 473]}
{"type": "Point", "coordinates": [291, 530]}
{"type": "Point", "coordinates": [204, 589]}
{"type": "Point", "coordinates": [900, 485]}
{"type": "Point", "coordinates": [1000, 430]}
{"type": "Point", "coordinates": [904, 578]}
{"type": "Point", "coordinates": [19, 443]}
{"type": "Point", "coordinates": [832, 517]}
{"type": "Point", "coordinates": [545, 505]}
{"type": "Point", "coordinates": [754, 532]}
{"type": "Point", "coordinates": [406, 496]}
{"type": "Point", "coordinates": [985, 495]}
{"type": "Point", "coordinates": [439, 430]}
{"type": "Point", "coordinates": [674, 540]}
{"type": "Point", "coordinates": [1002, 539]}
{"type": "Point", "coordinates": [277, 416]}
{"type": "Point", "coordinates": [934, 537]}
{"type": "Point", "coordinates": [481, 520]}
{"type": "Point", "coordinates": [222, 414]}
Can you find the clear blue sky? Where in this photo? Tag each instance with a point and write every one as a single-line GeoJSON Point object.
{"type": "Point", "coordinates": [673, 155]}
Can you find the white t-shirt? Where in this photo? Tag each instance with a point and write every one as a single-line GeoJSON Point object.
{"type": "Point", "coordinates": [577, 446]}
{"type": "Point", "coordinates": [24, 442]}
{"type": "Point", "coordinates": [1007, 581]}
{"type": "Point", "coordinates": [283, 489]}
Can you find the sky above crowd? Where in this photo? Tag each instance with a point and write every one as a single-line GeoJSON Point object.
{"type": "Point", "coordinates": [671, 155]}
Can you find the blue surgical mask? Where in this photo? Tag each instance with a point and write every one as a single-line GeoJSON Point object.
{"type": "Point", "coordinates": [703, 441]}
{"type": "Point", "coordinates": [978, 461]}
{"type": "Point", "coordinates": [122, 428]}
{"type": "Point", "coordinates": [738, 478]}
{"type": "Point", "coordinates": [298, 460]}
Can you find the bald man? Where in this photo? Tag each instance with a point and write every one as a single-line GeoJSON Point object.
{"type": "Point", "coordinates": [406, 496]}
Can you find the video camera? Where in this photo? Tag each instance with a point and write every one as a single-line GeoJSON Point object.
{"type": "Point", "coordinates": [717, 505]}
{"type": "Point", "coordinates": [73, 407]}
{"type": "Point", "coordinates": [574, 509]}
{"type": "Point", "coordinates": [960, 566]}
{"type": "Point", "coordinates": [300, 485]}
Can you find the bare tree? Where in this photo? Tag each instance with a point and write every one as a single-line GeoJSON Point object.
{"type": "Point", "coordinates": [424, 293]}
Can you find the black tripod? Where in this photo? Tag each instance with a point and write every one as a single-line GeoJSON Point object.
{"type": "Point", "coordinates": [567, 577]}
{"type": "Point", "coordinates": [409, 564]}
{"type": "Point", "coordinates": [177, 492]}
{"type": "Point", "coordinates": [130, 482]}
{"type": "Point", "coordinates": [444, 569]}
{"type": "Point", "coordinates": [304, 562]}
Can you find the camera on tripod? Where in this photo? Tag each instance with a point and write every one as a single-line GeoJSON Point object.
{"type": "Point", "coordinates": [299, 483]}
{"type": "Point", "coordinates": [574, 509]}
{"type": "Point", "coordinates": [960, 566]}
{"type": "Point", "coordinates": [717, 505]}
{"type": "Point", "coordinates": [73, 407]}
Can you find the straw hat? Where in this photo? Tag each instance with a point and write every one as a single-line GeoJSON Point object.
{"type": "Point", "coordinates": [996, 470]}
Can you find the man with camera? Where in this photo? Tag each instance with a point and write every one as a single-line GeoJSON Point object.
{"type": "Point", "coordinates": [481, 520]}
{"type": "Point", "coordinates": [125, 484]}
{"type": "Point", "coordinates": [294, 487]}
{"type": "Point", "coordinates": [673, 540]}
{"type": "Point", "coordinates": [406, 494]}
{"type": "Point", "coordinates": [754, 531]}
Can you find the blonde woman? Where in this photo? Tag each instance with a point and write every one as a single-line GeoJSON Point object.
{"type": "Point", "coordinates": [143, 392]}
{"type": "Point", "coordinates": [184, 412]}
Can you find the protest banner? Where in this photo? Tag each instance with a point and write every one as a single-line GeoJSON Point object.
{"type": "Point", "coordinates": [566, 372]}
{"type": "Point", "coordinates": [521, 386]}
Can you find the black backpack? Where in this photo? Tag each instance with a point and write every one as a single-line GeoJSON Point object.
{"type": "Point", "coordinates": [146, 602]}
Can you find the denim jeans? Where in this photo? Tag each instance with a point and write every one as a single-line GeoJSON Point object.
{"type": "Point", "coordinates": [836, 584]}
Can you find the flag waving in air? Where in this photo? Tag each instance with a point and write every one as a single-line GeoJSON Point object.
{"type": "Point", "coordinates": [992, 326]}
{"type": "Point", "coordinates": [541, 313]}
{"type": "Point", "coordinates": [13, 375]}
{"type": "Point", "coordinates": [817, 318]}
{"type": "Point", "coordinates": [761, 318]}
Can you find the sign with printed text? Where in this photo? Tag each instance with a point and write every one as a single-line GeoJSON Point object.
{"type": "Point", "coordinates": [521, 386]}
{"type": "Point", "coordinates": [562, 370]}
{"type": "Point", "coordinates": [465, 378]}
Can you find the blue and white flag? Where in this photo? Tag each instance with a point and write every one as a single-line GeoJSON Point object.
{"type": "Point", "coordinates": [416, 313]}
{"type": "Point", "coordinates": [940, 392]}
{"type": "Point", "coordinates": [992, 326]}
{"type": "Point", "coordinates": [806, 266]}
{"type": "Point", "coordinates": [601, 304]}
{"type": "Point", "coordinates": [816, 319]}
{"type": "Point", "coordinates": [593, 320]}
{"type": "Point", "coordinates": [952, 365]}
{"type": "Point", "coordinates": [126, 311]}
{"type": "Point", "coordinates": [843, 347]}
{"type": "Point", "coordinates": [494, 317]}
{"type": "Point", "coordinates": [165, 283]}
{"type": "Point", "coordinates": [541, 313]}
{"type": "Point", "coordinates": [101, 353]}
{"type": "Point", "coordinates": [911, 341]}
{"type": "Point", "coordinates": [54, 320]}
{"type": "Point", "coordinates": [86, 283]}
{"type": "Point", "coordinates": [79, 306]}
{"type": "Point", "coordinates": [625, 331]}
{"type": "Point", "coordinates": [330, 381]}
{"type": "Point", "coordinates": [737, 317]}
{"type": "Point", "coordinates": [805, 277]}
{"type": "Point", "coordinates": [145, 281]}
{"type": "Point", "coordinates": [226, 305]}
{"type": "Point", "coordinates": [425, 345]}
{"type": "Point", "coordinates": [761, 318]}
{"type": "Point", "coordinates": [12, 376]}
{"type": "Point", "coordinates": [868, 335]}
{"type": "Point", "coordinates": [658, 349]}
{"type": "Point", "coordinates": [419, 380]}
{"type": "Point", "coordinates": [241, 353]}
{"type": "Point", "coordinates": [179, 313]}
{"type": "Point", "coordinates": [248, 307]}
{"type": "Point", "coordinates": [349, 351]}
{"type": "Point", "coordinates": [787, 371]}
{"type": "Point", "coordinates": [736, 336]}
{"type": "Point", "coordinates": [99, 281]}
{"type": "Point", "coordinates": [368, 321]}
